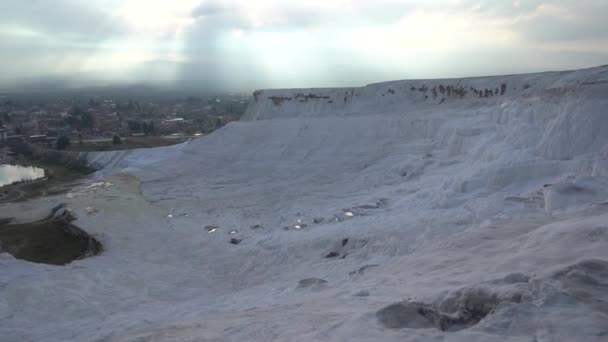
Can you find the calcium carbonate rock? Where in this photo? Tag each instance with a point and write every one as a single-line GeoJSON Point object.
{"type": "Point", "coordinates": [570, 194]}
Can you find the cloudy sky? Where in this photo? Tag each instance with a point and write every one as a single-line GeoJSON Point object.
{"type": "Point", "coordinates": [248, 44]}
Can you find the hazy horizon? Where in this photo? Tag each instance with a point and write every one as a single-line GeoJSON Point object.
{"type": "Point", "coordinates": [235, 45]}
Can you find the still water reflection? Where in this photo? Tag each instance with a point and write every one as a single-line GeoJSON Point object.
{"type": "Point", "coordinates": [15, 173]}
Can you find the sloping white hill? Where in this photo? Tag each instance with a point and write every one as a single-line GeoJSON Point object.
{"type": "Point", "coordinates": [458, 210]}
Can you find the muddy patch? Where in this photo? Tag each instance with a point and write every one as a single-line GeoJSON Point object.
{"type": "Point", "coordinates": [460, 310]}
{"type": "Point", "coordinates": [52, 240]}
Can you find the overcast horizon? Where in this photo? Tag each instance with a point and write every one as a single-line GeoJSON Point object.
{"type": "Point", "coordinates": [244, 45]}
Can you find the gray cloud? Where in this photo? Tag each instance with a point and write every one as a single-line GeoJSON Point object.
{"type": "Point", "coordinates": [36, 36]}
{"type": "Point", "coordinates": [583, 20]}
{"type": "Point", "coordinates": [65, 18]}
{"type": "Point", "coordinates": [294, 15]}
{"type": "Point", "coordinates": [504, 8]}
{"type": "Point", "coordinates": [211, 8]}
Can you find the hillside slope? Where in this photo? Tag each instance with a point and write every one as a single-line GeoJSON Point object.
{"type": "Point", "coordinates": [458, 210]}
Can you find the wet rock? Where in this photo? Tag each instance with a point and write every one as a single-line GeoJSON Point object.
{"type": "Point", "coordinates": [312, 283]}
{"type": "Point", "coordinates": [332, 255]}
{"type": "Point", "coordinates": [346, 247]}
{"type": "Point", "coordinates": [515, 278]}
{"type": "Point", "coordinates": [362, 293]}
{"type": "Point", "coordinates": [460, 310]}
{"type": "Point", "coordinates": [235, 241]}
{"type": "Point", "coordinates": [362, 270]}
{"type": "Point", "coordinates": [367, 207]}
{"type": "Point", "coordinates": [91, 210]}
{"type": "Point", "coordinates": [379, 204]}
{"type": "Point", "coordinates": [587, 282]}
{"type": "Point", "coordinates": [405, 315]}
{"type": "Point", "coordinates": [383, 202]}
{"type": "Point", "coordinates": [257, 227]}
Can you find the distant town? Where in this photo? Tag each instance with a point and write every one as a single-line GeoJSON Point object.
{"type": "Point", "coordinates": [88, 123]}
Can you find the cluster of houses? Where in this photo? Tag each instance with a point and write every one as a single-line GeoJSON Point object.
{"type": "Point", "coordinates": [7, 137]}
{"type": "Point", "coordinates": [43, 123]}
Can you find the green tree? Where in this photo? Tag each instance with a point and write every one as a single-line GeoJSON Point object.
{"type": "Point", "coordinates": [79, 119]}
{"type": "Point", "coordinates": [63, 142]}
{"type": "Point", "coordinates": [134, 126]}
{"type": "Point", "coordinates": [116, 140]}
{"type": "Point", "coordinates": [75, 111]}
{"type": "Point", "coordinates": [148, 127]}
{"type": "Point", "coordinates": [87, 120]}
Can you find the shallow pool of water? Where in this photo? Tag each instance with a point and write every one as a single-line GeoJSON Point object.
{"type": "Point", "coordinates": [10, 174]}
